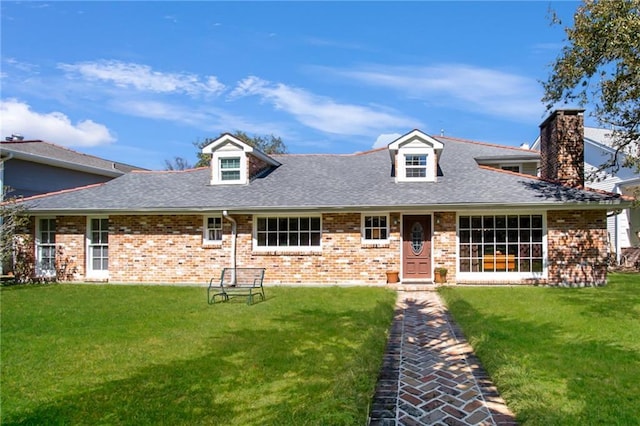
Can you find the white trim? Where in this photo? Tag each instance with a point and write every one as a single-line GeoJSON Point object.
{"type": "Point", "coordinates": [503, 276]}
{"type": "Point", "coordinates": [216, 172]}
{"type": "Point", "coordinates": [90, 272]}
{"type": "Point", "coordinates": [430, 166]}
{"type": "Point", "coordinates": [285, 249]}
{"type": "Point", "coordinates": [205, 230]}
{"type": "Point", "coordinates": [363, 239]}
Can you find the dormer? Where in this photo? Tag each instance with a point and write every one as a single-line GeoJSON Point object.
{"type": "Point", "coordinates": [415, 157]}
{"type": "Point", "coordinates": [235, 162]}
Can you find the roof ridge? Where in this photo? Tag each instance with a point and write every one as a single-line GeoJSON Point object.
{"type": "Point", "coordinates": [192, 169]}
{"type": "Point", "coordinates": [495, 145]}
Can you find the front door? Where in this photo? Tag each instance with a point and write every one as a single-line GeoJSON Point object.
{"type": "Point", "coordinates": [416, 247]}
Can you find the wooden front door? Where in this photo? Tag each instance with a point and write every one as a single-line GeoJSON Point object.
{"type": "Point", "coordinates": [416, 247]}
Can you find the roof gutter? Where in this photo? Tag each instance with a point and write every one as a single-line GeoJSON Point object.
{"type": "Point", "coordinates": [113, 172]}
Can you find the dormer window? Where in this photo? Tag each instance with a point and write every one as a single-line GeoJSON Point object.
{"type": "Point", "coordinates": [229, 168]}
{"type": "Point", "coordinates": [235, 162]}
{"type": "Point", "coordinates": [415, 165]}
{"type": "Point", "coordinates": [415, 156]}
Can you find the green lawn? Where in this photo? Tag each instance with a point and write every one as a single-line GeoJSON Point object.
{"type": "Point", "coordinates": [104, 354]}
{"type": "Point", "coordinates": [557, 355]}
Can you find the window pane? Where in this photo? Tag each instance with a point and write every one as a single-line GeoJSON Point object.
{"type": "Point", "coordinates": [465, 222]}
{"type": "Point", "coordinates": [230, 163]}
{"type": "Point", "coordinates": [304, 239]}
{"type": "Point", "coordinates": [230, 175]}
{"type": "Point", "coordinates": [465, 236]}
{"type": "Point", "coordinates": [315, 239]}
{"type": "Point", "coordinates": [262, 224]}
{"type": "Point", "coordinates": [536, 221]}
{"type": "Point", "coordinates": [315, 223]}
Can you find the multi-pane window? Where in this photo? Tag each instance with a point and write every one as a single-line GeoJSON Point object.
{"type": "Point", "coordinates": [229, 168]}
{"type": "Point", "coordinates": [99, 244]}
{"type": "Point", "coordinates": [375, 227]}
{"type": "Point", "coordinates": [213, 229]}
{"type": "Point", "coordinates": [501, 243]}
{"type": "Point", "coordinates": [294, 232]}
{"type": "Point", "coordinates": [46, 246]}
{"type": "Point", "coordinates": [415, 165]}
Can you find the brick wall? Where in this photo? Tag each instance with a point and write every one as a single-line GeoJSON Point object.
{"type": "Point", "coordinates": [70, 237]}
{"type": "Point", "coordinates": [562, 147]}
{"type": "Point", "coordinates": [577, 247]}
{"type": "Point", "coordinates": [444, 243]}
{"type": "Point", "coordinates": [169, 249]}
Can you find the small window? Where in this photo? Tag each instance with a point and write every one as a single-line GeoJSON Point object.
{"type": "Point", "coordinates": [375, 228]}
{"type": "Point", "coordinates": [513, 168]}
{"type": "Point", "coordinates": [415, 165]}
{"type": "Point", "coordinates": [213, 229]}
{"type": "Point", "coordinates": [229, 168]}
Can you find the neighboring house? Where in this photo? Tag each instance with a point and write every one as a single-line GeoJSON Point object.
{"type": "Point", "coordinates": [623, 226]}
{"type": "Point", "coordinates": [31, 167]}
{"type": "Point", "coordinates": [423, 202]}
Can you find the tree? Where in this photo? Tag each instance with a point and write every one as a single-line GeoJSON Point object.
{"type": "Point", "coordinates": [268, 144]}
{"type": "Point", "coordinates": [16, 252]}
{"type": "Point", "coordinates": [178, 163]}
{"type": "Point", "coordinates": [600, 65]}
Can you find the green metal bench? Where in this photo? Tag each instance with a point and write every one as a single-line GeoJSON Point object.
{"type": "Point", "coordinates": [245, 282]}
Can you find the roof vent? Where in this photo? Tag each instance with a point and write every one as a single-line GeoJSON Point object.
{"type": "Point", "coordinates": [15, 137]}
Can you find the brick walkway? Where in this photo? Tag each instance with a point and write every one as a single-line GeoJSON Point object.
{"type": "Point", "coordinates": [430, 375]}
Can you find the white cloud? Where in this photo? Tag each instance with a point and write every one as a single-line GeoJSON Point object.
{"type": "Point", "coordinates": [321, 113]}
{"type": "Point", "coordinates": [385, 139]}
{"type": "Point", "coordinates": [17, 117]}
{"type": "Point", "coordinates": [460, 86]}
{"type": "Point", "coordinates": [143, 78]}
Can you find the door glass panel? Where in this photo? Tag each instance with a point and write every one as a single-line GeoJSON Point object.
{"type": "Point", "coordinates": [417, 238]}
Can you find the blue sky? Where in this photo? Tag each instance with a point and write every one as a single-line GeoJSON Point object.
{"type": "Point", "coordinates": [139, 82]}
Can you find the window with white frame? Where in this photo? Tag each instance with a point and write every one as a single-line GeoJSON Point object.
{"type": "Point", "coordinates": [501, 243]}
{"type": "Point", "coordinates": [415, 166]}
{"type": "Point", "coordinates": [46, 247]}
{"type": "Point", "coordinates": [280, 232]}
{"type": "Point", "coordinates": [375, 228]}
{"type": "Point", "coordinates": [229, 169]}
{"type": "Point", "coordinates": [213, 229]}
{"type": "Point", "coordinates": [98, 245]}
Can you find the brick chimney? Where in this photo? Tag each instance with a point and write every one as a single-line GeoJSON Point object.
{"type": "Point", "coordinates": [562, 147]}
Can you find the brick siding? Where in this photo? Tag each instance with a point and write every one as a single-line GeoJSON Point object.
{"type": "Point", "coordinates": [170, 249]}
{"type": "Point", "coordinates": [577, 247]}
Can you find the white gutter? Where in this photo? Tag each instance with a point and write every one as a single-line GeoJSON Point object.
{"type": "Point", "coordinates": [234, 229]}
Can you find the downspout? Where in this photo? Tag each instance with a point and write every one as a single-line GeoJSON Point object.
{"type": "Point", "coordinates": [234, 230]}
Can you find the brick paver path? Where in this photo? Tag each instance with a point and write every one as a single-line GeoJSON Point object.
{"type": "Point", "coordinates": [430, 375]}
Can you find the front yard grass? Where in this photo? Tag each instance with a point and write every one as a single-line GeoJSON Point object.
{"type": "Point", "coordinates": [558, 355]}
{"type": "Point", "coordinates": [104, 354]}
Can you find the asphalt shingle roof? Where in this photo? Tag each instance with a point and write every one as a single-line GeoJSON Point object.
{"type": "Point", "coordinates": [41, 151]}
{"type": "Point", "coordinates": [356, 181]}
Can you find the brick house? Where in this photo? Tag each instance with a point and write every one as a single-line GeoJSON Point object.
{"type": "Point", "coordinates": [424, 202]}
